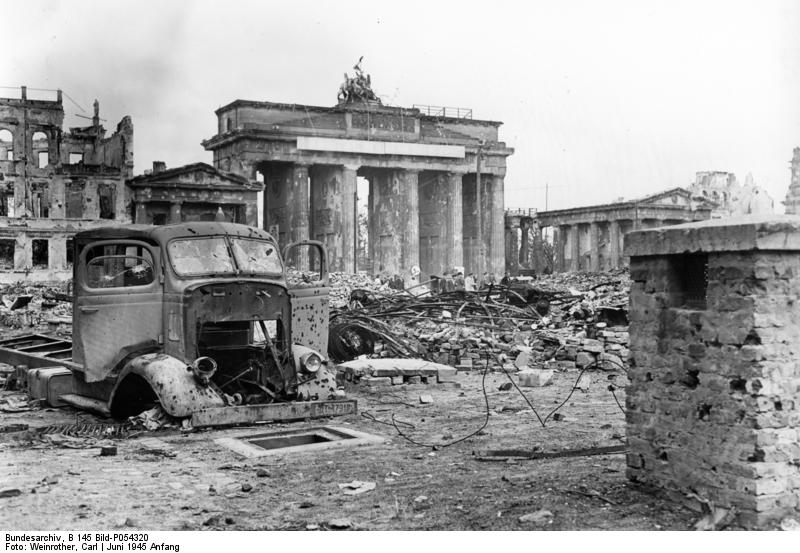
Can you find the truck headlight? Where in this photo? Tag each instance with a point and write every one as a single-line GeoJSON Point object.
{"type": "Point", "coordinates": [310, 362]}
{"type": "Point", "coordinates": [203, 369]}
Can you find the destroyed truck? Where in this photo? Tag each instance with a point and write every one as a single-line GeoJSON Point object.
{"type": "Point", "coordinates": [197, 317]}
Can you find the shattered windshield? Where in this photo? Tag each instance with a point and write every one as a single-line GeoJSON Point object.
{"type": "Point", "coordinates": [256, 256]}
{"type": "Point", "coordinates": [204, 256]}
{"type": "Point", "coordinates": [201, 256]}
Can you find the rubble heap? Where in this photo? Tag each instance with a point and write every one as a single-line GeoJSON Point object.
{"type": "Point", "coordinates": [560, 321]}
{"type": "Point", "coordinates": [24, 305]}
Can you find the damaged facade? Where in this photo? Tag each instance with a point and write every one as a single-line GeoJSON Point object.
{"type": "Point", "coordinates": [196, 192]}
{"type": "Point", "coordinates": [727, 197]}
{"type": "Point", "coordinates": [55, 183]}
{"type": "Point", "coordinates": [424, 168]}
{"type": "Point", "coordinates": [792, 202]}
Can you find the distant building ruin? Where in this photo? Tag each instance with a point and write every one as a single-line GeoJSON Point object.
{"type": "Point", "coordinates": [55, 183]}
{"type": "Point", "coordinates": [792, 202]}
{"type": "Point", "coordinates": [424, 166]}
{"type": "Point", "coordinates": [590, 238]}
{"type": "Point", "coordinates": [728, 198]}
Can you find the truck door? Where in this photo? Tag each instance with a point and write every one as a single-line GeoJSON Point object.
{"type": "Point", "coordinates": [118, 304]}
{"type": "Point", "coordinates": [308, 293]}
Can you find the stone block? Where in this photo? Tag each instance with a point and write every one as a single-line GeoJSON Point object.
{"type": "Point", "coordinates": [397, 380]}
{"type": "Point", "coordinates": [584, 359]}
{"type": "Point", "coordinates": [376, 381]}
{"type": "Point", "coordinates": [446, 375]}
{"type": "Point", "coordinates": [592, 346]}
{"type": "Point", "coordinates": [534, 378]}
{"type": "Point", "coordinates": [385, 372]}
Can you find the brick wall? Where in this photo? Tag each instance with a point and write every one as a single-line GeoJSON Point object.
{"type": "Point", "coordinates": [712, 402]}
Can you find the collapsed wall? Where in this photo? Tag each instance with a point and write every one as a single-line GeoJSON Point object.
{"type": "Point", "coordinates": [712, 409]}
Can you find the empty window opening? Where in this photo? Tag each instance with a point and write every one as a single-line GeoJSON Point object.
{"type": "Point", "coordinates": [40, 253]}
{"type": "Point", "coordinates": [6, 200]}
{"type": "Point", "coordinates": [691, 271]}
{"type": "Point", "coordinates": [7, 253]}
{"type": "Point", "coordinates": [40, 200]}
{"type": "Point", "coordinates": [159, 218]}
{"type": "Point", "coordinates": [75, 158]}
{"type": "Point", "coordinates": [41, 148]}
{"type": "Point", "coordinates": [6, 145]}
{"type": "Point", "coordinates": [107, 195]}
{"type": "Point", "coordinates": [74, 201]}
{"type": "Point", "coordinates": [70, 253]}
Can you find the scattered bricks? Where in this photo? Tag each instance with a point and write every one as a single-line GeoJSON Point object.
{"type": "Point", "coordinates": [425, 399]}
{"type": "Point", "coordinates": [446, 375]}
{"type": "Point", "coordinates": [397, 380]}
{"type": "Point", "coordinates": [534, 378]}
{"type": "Point", "coordinates": [584, 359]}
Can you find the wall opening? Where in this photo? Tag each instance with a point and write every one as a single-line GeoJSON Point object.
{"type": "Point", "coordinates": [74, 200]}
{"type": "Point", "coordinates": [6, 200]}
{"type": "Point", "coordinates": [6, 145]}
{"type": "Point", "coordinates": [107, 195]}
{"type": "Point", "coordinates": [70, 253]}
{"type": "Point", "coordinates": [7, 254]}
{"type": "Point", "coordinates": [40, 199]}
{"type": "Point", "coordinates": [40, 255]}
{"type": "Point", "coordinates": [41, 148]}
{"type": "Point", "coordinates": [75, 158]}
{"type": "Point", "coordinates": [692, 279]}
{"type": "Point", "coordinates": [363, 261]}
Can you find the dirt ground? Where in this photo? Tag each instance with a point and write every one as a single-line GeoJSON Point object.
{"type": "Point", "coordinates": [174, 480]}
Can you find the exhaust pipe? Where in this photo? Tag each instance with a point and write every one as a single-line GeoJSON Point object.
{"type": "Point", "coordinates": [203, 368]}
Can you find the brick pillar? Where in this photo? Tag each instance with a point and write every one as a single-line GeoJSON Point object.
{"type": "Point", "coordinates": [174, 213]}
{"type": "Point", "coordinates": [575, 248]}
{"type": "Point", "coordinates": [613, 244]}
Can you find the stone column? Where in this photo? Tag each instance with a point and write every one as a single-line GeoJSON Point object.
{"type": "Point", "coordinates": [613, 244]}
{"type": "Point", "coordinates": [409, 221]}
{"type": "Point", "coordinates": [525, 244]}
{"type": "Point", "coordinates": [332, 212]}
{"type": "Point", "coordinates": [560, 243]}
{"type": "Point", "coordinates": [141, 214]}
{"type": "Point", "coordinates": [175, 213]}
{"type": "Point", "coordinates": [575, 248]}
{"type": "Point", "coordinates": [349, 225]}
{"type": "Point", "coordinates": [297, 200]}
{"type": "Point", "coordinates": [497, 253]}
{"type": "Point", "coordinates": [394, 221]}
{"type": "Point", "coordinates": [594, 247]}
{"type": "Point", "coordinates": [455, 221]}
{"type": "Point", "coordinates": [512, 245]}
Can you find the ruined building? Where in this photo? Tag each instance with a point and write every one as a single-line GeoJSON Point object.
{"type": "Point", "coordinates": [196, 192]}
{"type": "Point", "coordinates": [436, 178]}
{"type": "Point", "coordinates": [727, 197]}
{"type": "Point", "coordinates": [590, 238]}
{"type": "Point", "coordinates": [792, 202]}
{"type": "Point", "coordinates": [55, 183]}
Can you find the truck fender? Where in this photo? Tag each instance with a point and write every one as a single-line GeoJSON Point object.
{"type": "Point", "coordinates": [172, 382]}
{"type": "Point", "coordinates": [323, 385]}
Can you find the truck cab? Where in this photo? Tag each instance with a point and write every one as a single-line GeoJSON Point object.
{"type": "Point", "coordinates": [197, 316]}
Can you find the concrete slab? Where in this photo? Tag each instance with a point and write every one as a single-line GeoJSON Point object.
{"type": "Point", "coordinates": [347, 438]}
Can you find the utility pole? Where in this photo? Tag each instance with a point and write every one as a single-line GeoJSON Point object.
{"type": "Point", "coordinates": [481, 249]}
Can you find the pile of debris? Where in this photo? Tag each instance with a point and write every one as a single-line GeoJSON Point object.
{"type": "Point", "coordinates": [24, 305]}
{"type": "Point", "coordinates": [561, 321]}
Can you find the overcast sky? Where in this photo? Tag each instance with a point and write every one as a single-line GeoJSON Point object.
{"type": "Point", "coordinates": [599, 99]}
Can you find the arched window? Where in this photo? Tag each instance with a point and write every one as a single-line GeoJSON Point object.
{"type": "Point", "coordinates": [6, 145]}
{"type": "Point", "coordinates": [41, 149]}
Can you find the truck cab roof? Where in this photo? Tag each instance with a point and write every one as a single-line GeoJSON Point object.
{"type": "Point", "coordinates": [161, 234]}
